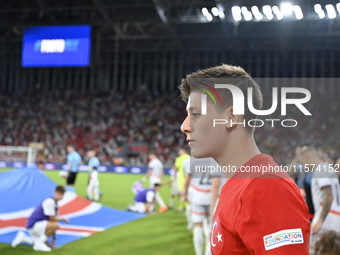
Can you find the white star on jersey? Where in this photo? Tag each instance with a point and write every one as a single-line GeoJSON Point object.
{"type": "Point", "coordinates": [219, 237]}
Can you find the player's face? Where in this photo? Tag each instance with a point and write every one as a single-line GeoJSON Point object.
{"type": "Point", "coordinates": [58, 196]}
{"type": "Point", "coordinates": [204, 139]}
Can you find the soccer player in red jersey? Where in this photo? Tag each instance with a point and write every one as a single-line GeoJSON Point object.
{"type": "Point", "coordinates": [257, 213]}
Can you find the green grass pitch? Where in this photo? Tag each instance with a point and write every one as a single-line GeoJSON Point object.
{"type": "Point", "coordinates": [160, 234]}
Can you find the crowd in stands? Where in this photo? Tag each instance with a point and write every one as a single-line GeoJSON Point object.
{"type": "Point", "coordinates": [107, 121]}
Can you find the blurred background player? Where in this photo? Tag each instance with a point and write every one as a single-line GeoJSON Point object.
{"type": "Point", "coordinates": [303, 180]}
{"type": "Point", "coordinates": [155, 174]}
{"type": "Point", "coordinates": [145, 200]}
{"type": "Point", "coordinates": [93, 162]}
{"type": "Point", "coordinates": [73, 161]}
{"type": "Point", "coordinates": [41, 166]}
{"type": "Point", "coordinates": [93, 187]}
{"type": "Point", "coordinates": [198, 184]}
{"type": "Point", "coordinates": [325, 193]}
{"type": "Point", "coordinates": [186, 195]}
{"type": "Point", "coordinates": [174, 190]}
{"type": "Point", "coordinates": [180, 176]}
{"type": "Point", "coordinates": [42, 223]}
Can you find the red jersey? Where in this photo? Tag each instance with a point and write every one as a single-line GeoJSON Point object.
{"type": "Point", "coordinates": [263, 214]}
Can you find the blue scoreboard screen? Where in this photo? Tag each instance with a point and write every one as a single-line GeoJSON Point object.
{"type": "Point", "coordinates": [51, 46]}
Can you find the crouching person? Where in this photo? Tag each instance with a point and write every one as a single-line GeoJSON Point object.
{"type": "Point", "coordinates": [145, 200]}
{"type": "Point", "coordinates": [42, 223]}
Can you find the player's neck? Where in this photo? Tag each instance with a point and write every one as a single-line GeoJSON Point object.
{"type": "Point", "coordinates": [237, 153]}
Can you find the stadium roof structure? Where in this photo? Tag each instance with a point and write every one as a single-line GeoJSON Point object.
{"type": "Point", "coordinates": [154, 43]}
{"type": "Point", "coordinates": [161, 25]}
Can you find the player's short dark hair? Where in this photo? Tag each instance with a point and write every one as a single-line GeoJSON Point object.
{"type": "Point", "coordinates": [152, 152]}
{"type": "Point", "coordinates": [60, 189]}
{"type": "Point", "coordinates": [71, 145]}
{"type": "Point", "coordinates": [225, 74]}
{"type": "Point", "coordinates": [40, 162]}
{"type": "Point", "coordinates": [156, 185]}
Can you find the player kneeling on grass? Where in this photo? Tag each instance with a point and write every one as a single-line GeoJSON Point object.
{"type": "Point", "coordinates": [145, 200]}
{"type": "Point", "coordinates": [93, 187]}
{"type": "Point", "coordinates": [42, 223]}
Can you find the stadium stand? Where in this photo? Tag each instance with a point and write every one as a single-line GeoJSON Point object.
{"type": "Point", "coordinates": [107, 121]}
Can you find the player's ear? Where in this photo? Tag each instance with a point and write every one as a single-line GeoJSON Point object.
{"type": "Point", "coordinates": [229, 116]}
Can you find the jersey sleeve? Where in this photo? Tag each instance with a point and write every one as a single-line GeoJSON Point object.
{"type": "Point", "coordinates": [69, 159]}
{"type": "Point", "coordinates": [150, 165]}
{"type": "Point", "coordinates": [324, 176]}
{"type": "Point", "coordinates": [324, 182]}
{"type": "Point", "coordinates": [273, 218]}
{"type": "Point", "coordinates": [186, 167]}
{"type": "Point", "coordinates": [150, 195]}
{"type": "Point", "coordinates": [49, 207]}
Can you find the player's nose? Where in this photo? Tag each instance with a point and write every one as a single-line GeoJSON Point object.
{"type": "Point", "coordinates": [185, 128]}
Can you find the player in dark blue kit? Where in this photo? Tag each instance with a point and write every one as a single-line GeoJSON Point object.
{"type": "Point", "coordinates": [42, 223]}
{"type": "Point", "coordinates": [145, 200]}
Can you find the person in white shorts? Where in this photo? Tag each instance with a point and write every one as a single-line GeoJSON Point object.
{"type": "Point", "coordinates": [155, 174]}
{"type": "Point", "coordinates": [145, 200]}
{"type": "Point", "coordinates": [197, 188]}
{"type": "Point", "coordinates": [42, 223]}
{"type": "Point", "coordinates": [325, 193]}
{"type": "Point", "coordinates": [93, 187]}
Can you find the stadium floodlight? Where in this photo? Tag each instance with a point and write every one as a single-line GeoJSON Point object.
{"type": "Point", "coordinates": [277, 12]}
{"type": "Point", "coordinates": [338, 7]}
{"type": "Point", "coordinates": [298, 12]}
{"type": "Point", "coordinates": [205, 12]}
{"type": "Point", "coordinates": [330, 11]}
{"type": "Point", "coordinates": [209, 17]}
{"type": "Point", "coordinates": [220, 11]}
{"type": "Point", "coordinates": [246, 14]}
{"type": "Point", "coordinates": [236, 11]}
{"type": "Point", "coordinates": [319, 11]}
{"type": "Point", "coordinates": [215, 11]}
{"type": "Point", "coordinates": [256, 12]}
{"type": "Point", "coordinates": [267, 10]}
{"type": "Point", "coordinates": [286, 9]}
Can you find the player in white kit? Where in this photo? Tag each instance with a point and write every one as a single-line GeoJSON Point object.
{"type": "Point", "coordinates": [197, 189]}
{"type": "Point", "coordinates": [93, 187]}
{"type": "Point", "coordinates": [174, 190]}
{"type": "Point", "coordinates": [325, 193]}
{"type": "Point", "coordinates": [155, 174]}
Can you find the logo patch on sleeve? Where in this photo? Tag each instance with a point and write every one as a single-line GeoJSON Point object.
{"type": "Point", "coordinates": [282, 238]}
